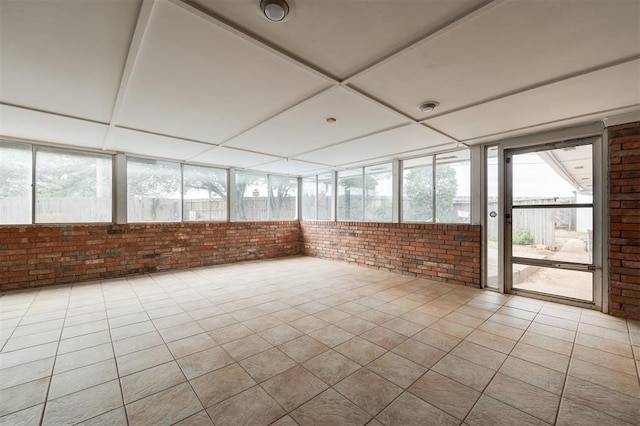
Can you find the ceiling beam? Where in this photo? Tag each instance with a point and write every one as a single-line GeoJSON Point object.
{"type": "Point", "coordinates": [132, 55]}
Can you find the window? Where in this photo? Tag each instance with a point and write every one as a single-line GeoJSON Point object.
{"type": "Point", "coordinates": [417, 190]}
{"type": "Point", "coordinates": [153, 191]}
{"type": "Point", "coordinates": [378, 204]}
{"type": "Point", "coordinates": [350, 201]}
{"type": "Point", "coordinates": [204, 194]}
{"type": "Point", "coordinates": [452, 186]}
{"type": "Point", "coordinates": [325, 191]}
{"type": "Point", "coordinates": [316, 193]}
{"type": "Point", "coordinates": [283, 198]}
{"type": "Point", "coordinates": [309, 198]}
{"type": "Point", "coordinates": [265, 197]}
{"type": "Point", "coordinates": [72, 187]}
{"type": "Point", "coordinates": [15, 183]}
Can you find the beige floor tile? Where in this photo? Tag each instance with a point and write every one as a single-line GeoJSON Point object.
{"type": "Point", "coordinates": [303, 348]}
{"type": "Point", "coordinates": [28, 416]}
{"type": "Point", "coordinates": [607, 333]}
{"type": "Point", "coordinates": [534, 374]}
{"type": "Point", "coordinates": [374, 316]}
{"type": "Point", "coordinates": [556, 322]}
{"type": "Point", "coordinates": [403, 326]}
{"type": "Point", "coordinates": [331, 367]}
{"type": "Point", "coordinates": [515, 322]}
{"type": "Point", "coordinates": [604, 320]}
{"type": "Point", "coordinates": [190, 345]}
{"type": "Point", "coordinates": [517, 313]}
{"type": "Point", "coordinates": [437, 339]}
{"type": "Point", "coordinates": [217, 321]}
{"type": "Point", "coordinates": [293, 387]}
{"type": "Point", "coordinates": [360, 350]}
{"type": "Point", "coordinates": [571, 413]}
{"type": "Point", "coordinates": [620, 382]}
{"type": "Point", "coordinates": [285, 421]}
{"type": "Point", "coordinates": [141, 360]}
{"type": "Point", "coordinates": [221, 384]}
{"type": "Point", "coordinates": [164, 408]}
{"type": "Point", "coordinates": [354, 308]}
{"type": "Point", "coordinates": [331, 335]}
{"type": "Point", "coordinates": [19, 397]}
{"type": "Point", "coordinates": [397, 369]}
{"type": "Point", "coordinates": [84, 341]}
{"type": "Point", "coordinates": [24, 356]}
{"type": "Point", "coordinates": [81, 358]}
{"type": "Point", "coordinates": [246, 346]}
{"type": "Point", "coordinates": [355, 325]}
{"type": "Point", "coordinates": [172, 320]}
{"type": "Point", "coordinates": [80, 406]}
{"type": "Point", "coordinates": [604, 359]}
{"type": "Point", "coordinates": [384, 337]}
{"type": "Point", "coordinates": [602, 399]}
{"type": "Point", "coordinates": [368, 390]}
{"type": "Point", "coordinates": [146, 382]}
{"type": "Point", "coordinates": [203, 362]}
{"type": "Point", "coordinates": [410, 410]}
{"type": "Point", "coordinates": [492, 341]}
{"type": "Point", "coordinates": [289, 314]}
{"type": "Point", "coordinates": [552, 331]}
{"type": "Point", "coordinates": [475, 311]}
{"type": "Point", "coordinates": [489, 411]}
{"type": "Point", "coordinates": [116, 417]}
{"type": "Point", "coordinates": [16, 343]}
{"type": "Point", "coordinates": [530, 399]}
{"type": "Point", "coordinates": [445, 394]}
{"type": "Point", "coordinates": [419, 353]}
{"type": "Point", "coordinates": [543, 357]}
{"type": "Point", "coordinates": [132, 330]}
{"type": "Point", "coordinates": [230, 333]}
{"type": "Point", "coordinates": [251, 407]}
{"type": "Point", "coordinates": [549, 343]}
{"type": "Point", "coordinates": [330, 408]}
{"type": "Point", "coordinates": [267, 364]}
{"type": "Point", "coordinates": [24, 373]}
{"type": "Point", "coordinates": [332, 315]}
{"type": "Point", "coordinates": [465, 372]}
{"type": "Point", "coordinates": [82, 378]}
{"type": "Point", "coordinates": [199, 419]}
{"type": "Point", "coordinates": [607, 345]}
{"type": "Point", "coordinates": [479, 354]}
{"type": "Point", "coordinates": [48, 323]}
{"type": "Point", "coordinates": [463, 319]}
{"type": "Point", "coordinates": [280, 334]}
{"type": "Point", "coordinates": [204, 312]}
{"type": "Point", "coordinates": [262, 323]}
{"type": "Point", "coordinates": [181, 331]}
{"type": "Point", "coordinates": [502, 330]}
{"type": "Point", "coordinates": [137, 343]}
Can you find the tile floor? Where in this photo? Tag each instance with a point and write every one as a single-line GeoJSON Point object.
{"type": "Point", "coordinates": [307, 341]}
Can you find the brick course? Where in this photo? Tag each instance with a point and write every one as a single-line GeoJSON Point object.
{"type": "Point", "coordinates": [624, 220]}
{"type": "Point", "coordinates": [449, 253]}
{"type": "Point", "coordinates": [44, 255]}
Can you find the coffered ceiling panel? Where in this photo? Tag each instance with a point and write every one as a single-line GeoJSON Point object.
{"type": "Point", "coordinates": [196, 80]}
{"type": "Point", "coordinates": [232, 158]}
{"type": "Point", "coordinates": [304, 128]}
{"type": "Point", "coordinates": [291, 167]}
{"type": "Point", "coordinates": [601, 91]}
{"type": "Point", "coordinates": [134, 142]}
{"type": "Point", "coordinates": [39, 126]}
{"type": "Point", "coordinates": [508, 48]}
{"type": "Point", "coordinates": [343, 37]}
{"type": "Point", "coordinates": [65, 56]}
{"type": "Point", "coordinates": [393, 143]}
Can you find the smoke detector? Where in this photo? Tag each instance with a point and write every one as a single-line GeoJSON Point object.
{"type": "Point", "coordinates": [275, 10]}
{"type": "Point", "coordinates": [428, 106]}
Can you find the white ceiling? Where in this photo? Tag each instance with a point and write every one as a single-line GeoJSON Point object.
{"type": "Point", "coordinates": [213, 82]}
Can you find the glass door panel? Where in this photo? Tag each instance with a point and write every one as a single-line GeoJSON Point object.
{"type": "Point", "coordinates": [492, 220]}
{"type": "Point", "coordinates": [549, 220]}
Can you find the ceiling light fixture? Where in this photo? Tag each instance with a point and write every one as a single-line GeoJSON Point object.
{"type": "Point", "coordinates": [331, 120]}
{"type": "Point", "coordinates": [428, 106]}
{"type": "Point", "coordinates": [274, 10]}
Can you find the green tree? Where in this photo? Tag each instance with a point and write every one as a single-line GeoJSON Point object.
{"type": "Point", "coordinates": [418, 191]}
{"type": "Point", "coordinates": [350, 205]}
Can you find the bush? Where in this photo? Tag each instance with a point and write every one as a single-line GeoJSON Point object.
{"type": "Point", "coordinates": [522, 237]}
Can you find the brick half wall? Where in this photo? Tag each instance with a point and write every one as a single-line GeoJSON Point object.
{"type": "Point", "coordinates": [43, 255]}
{"type": "Point", "coordinates": [624, 220]}
{"type": "Point", "coordinates": [449, 253]}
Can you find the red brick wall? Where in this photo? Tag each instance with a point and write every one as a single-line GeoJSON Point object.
{"type": "Point", "coordinates": [42, 255]}
{"type": "Point", "coordinates": [624, 220]}
{"type": "Point", "coordinates": [448, 253]}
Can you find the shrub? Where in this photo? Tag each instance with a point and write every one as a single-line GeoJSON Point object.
{"type": "Point", "coordinates": [522, 237]}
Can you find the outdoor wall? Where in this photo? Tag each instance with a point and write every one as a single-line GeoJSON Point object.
{"type": "Point", "coordinates": [448, 253]}
{"type": "Point", "coordinates": [43, 255]}
{"type": "Point", "coordinates": [624, 220]}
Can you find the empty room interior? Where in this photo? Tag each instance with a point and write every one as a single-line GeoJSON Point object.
{"type": "Point", "coordinates": [320, 212]}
